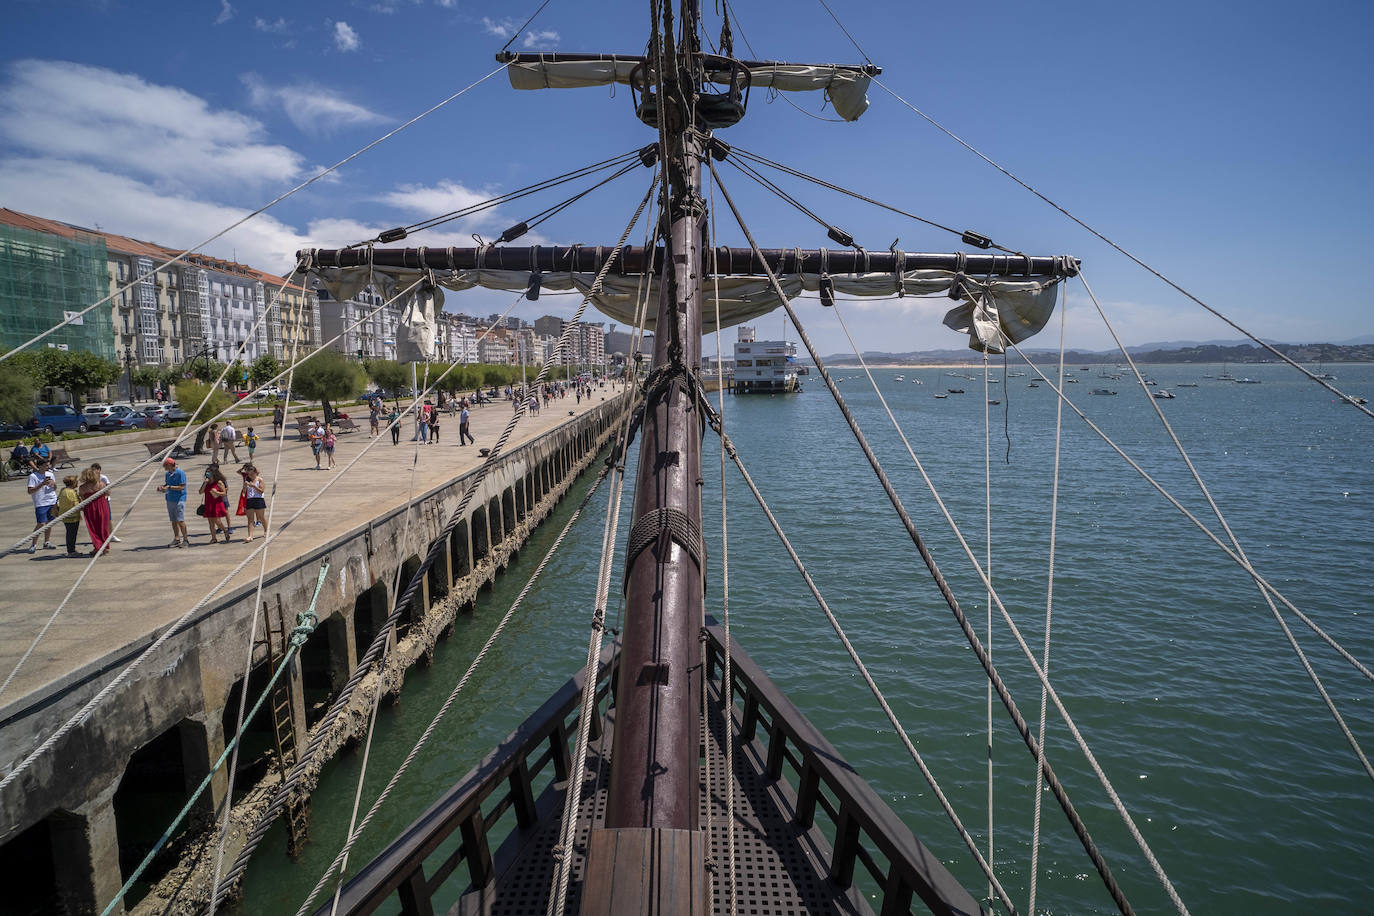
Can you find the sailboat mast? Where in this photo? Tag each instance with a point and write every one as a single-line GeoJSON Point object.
{"type": "Point", "coordinates": [654, 773]}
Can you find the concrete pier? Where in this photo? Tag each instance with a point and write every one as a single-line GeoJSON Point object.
{"type": "Point", "coordinates": [74, 823]}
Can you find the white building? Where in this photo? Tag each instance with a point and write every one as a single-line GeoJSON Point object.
{"type": "Point", "coordinates": [764, 365]}
{"type": "Point", "coordinates": [365, 327]}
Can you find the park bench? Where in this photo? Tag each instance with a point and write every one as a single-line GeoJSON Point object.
{"type": "Point", "coordinates": [60, 458]}
{"type": "Point", "coordinates": [345, 425]}
{"type": "Point", "coordinates": [156, 448]}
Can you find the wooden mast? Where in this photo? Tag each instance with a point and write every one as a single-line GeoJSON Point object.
{"type": "Point", "coordinates": [650, 857]}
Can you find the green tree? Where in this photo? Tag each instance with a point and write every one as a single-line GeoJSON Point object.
{"type": "Point", "coordinates": [495, 375]}
{"type": "Point", "coordinates": [327, 376]}
{"type": "Point", "coordinates": [388, 375]}
{"type": "Point", "coordinates": [148, 376]}
{"type": "Point", "coordinates": [264, 369]}
{"type": "Point", "coordinates": [203, 370]}
{"type": "Point", "coordinates": [17, 391]}
{"type": "Point", "coordinates": [76, 372]}
{"type": "Point", "coordinates": [189, 395]}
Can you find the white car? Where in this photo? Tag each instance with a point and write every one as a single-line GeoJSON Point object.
{"type": "Point", "coordinates": [94, 413]}
{"type": "Point", "coordinates": [271, 391]}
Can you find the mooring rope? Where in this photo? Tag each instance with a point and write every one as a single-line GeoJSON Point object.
{"type": "Point", "coordinates": [305, 625]}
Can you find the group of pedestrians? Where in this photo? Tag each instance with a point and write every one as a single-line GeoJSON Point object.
{"type": "Point", "coordinates": [51, 502]}
{"type": "Point", "coordinates": [214, 508]}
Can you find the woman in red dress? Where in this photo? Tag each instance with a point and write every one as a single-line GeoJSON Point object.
{"type": "Point", "coordinates": [96, 512]}
{"type": "Point", "coordinates": [216, 490]}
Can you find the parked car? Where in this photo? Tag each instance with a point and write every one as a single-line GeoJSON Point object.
{"type": "Point", "coordinates": [271, 391]}
{"type": "Point", "coordinates": [123, 417]}
{"type": "Point", "coordinates": [94, 413]}
{"type": "Point", "coordinates": [161, 410]}
{"type": "Point", "coordinates": [175, 415]}
{"type": "Point", "coordinates": [56, 418]}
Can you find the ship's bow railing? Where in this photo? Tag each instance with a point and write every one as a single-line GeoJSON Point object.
{"type": "Point", "coordinates": [866, 849]}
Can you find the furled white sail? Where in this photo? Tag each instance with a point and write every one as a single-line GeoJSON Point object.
{"type": "Point", "coordinates": [846, 87]}
{"type": "Point", "coordinates": [992, 310]}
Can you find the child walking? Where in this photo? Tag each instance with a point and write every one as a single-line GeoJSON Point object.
{"type": "Point", "coordinates": [66, 501]}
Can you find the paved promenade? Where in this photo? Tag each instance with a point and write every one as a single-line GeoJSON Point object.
{"type": "Point", "coordinates": [142, 584]}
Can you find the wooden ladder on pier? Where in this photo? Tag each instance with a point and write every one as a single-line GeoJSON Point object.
{"type": "Point", "coordinates": [284, 725]}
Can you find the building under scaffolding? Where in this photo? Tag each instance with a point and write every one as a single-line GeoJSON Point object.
{"type": "Point", "coordinates": [43, 279]}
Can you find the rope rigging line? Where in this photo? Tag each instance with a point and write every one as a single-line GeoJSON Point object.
{"type": "Point", "coordinates": [987, 532]}
{"type": "Point", "coordinates": [797, 173]}
{"type": "Point", "coordinates": [1207, 532]}
{"type": "Point", "coordinates": [1080, 829]}
{"type": "Point", "coordinates": [305, 625]}
{"type": "Point", "coordinates": [1049, 611]}
{"type": "Point", "coordinates": [1349, 399]}
{"type": "Point", "coordinates": [472, 209]}
{"type": "Point", "coordinates": [727, 676]}
{"type": "Point", "coordinates": [554, 210]}
{"type": "Point", "coordinates": [729, 447]}
{"type": "Point", "coordinates": [104, 492]}
{"type": "Point", "coordinates": [264, 208]}
{"type": "Point", "coordinates": [1032, 745]}
{"type": "Point", "coordinates": [753, 173]}
{"type": "Point", "coordinates": [516, 33]}
{"type": "Point", "coordinates": [377, 695]}
{"type": "Point", "coordinates": [374, 651]}
{"type": "Point", "coordinates": [353, 834]}
{"type": "Point", "coordinates": [776, 93]}
{"type": "Point", "coordinates": [1235, 542]}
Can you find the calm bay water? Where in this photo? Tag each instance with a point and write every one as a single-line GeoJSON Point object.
{"type": "Point", "coordinates": [1164, 651]}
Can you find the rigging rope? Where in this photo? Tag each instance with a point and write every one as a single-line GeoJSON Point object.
{"type": "Point", "coordinates": [1235, 542]}
{"type": "Point", "coordinates": [1049, 610]}
{"type": "Point", "coordinates": [727, 676]}
{"type": "Point", "coordinates": [1003, 693]}
{"type": "Point", "coordinates": [987, 531]}
{"type": "Point", "coordinates": [74, 316]}
{"type": "Point", "coordinates": [1349, 399]}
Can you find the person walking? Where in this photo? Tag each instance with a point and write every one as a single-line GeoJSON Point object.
{"type": "Point", "coordinates": [216, 506]}
{"type": "Point", "coordinates": [43, 490]}
{"type": "Point", "coordinates": [109, 507]}
{"type": "Point", "coordinates": [97, 511]}
{"type": "Point", "coordinates": [317, 443]}
{"type": "Point", "coordinates": [174, 489]}
{"type": "Point", "coordinates": [255, 504]}
{"type": "Point", "coordinates": [374, 416]}
{"type": "Point", "coordinates": [250, 439]}
{"type": "Point", "coordinates": [278, 417]}
{"type": "Point", "coordinates": [464, 433]}
{"type": "Point", "coordinates": [229, 441]}
{"type": "Point", "coordinates": [212, 437]}
{"type": "Point", "coordinates": [393, 422]}
{"type": "Point", "coordinates": [329, 441]}
{"type": "Point", "coordinates": [66, 502]}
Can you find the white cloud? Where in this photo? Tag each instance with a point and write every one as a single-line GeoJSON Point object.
{"type": "Point", "coordinates": [278, 26]}
{"type": "Point", "coordinates": [501, 28]}
{"type": "Point", "coordinates": [345, 39]}
{"type": "Point", "coordinates": [533, 39]}
{"type": "Point", "coordinates": [87, 195]}
{"type": "Point", "coordinates": [90, 114]}
{"type": "Point", "coordinates": [312, 108]}
{"type": "Point", "coordinates": [226, 12]}
{"type": "Point", "coordinates": [420, 200]}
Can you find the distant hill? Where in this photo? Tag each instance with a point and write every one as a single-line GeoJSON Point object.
{"type": "Point", "coordinates": [1230, 351]}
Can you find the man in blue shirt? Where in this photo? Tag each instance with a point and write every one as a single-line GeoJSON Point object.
{"type": "Point", "coordinates": [39, 452]}
{"type": "Point", "coordinates": [174, 488]}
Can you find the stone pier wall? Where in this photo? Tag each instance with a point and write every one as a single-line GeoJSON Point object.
{"type": "Point", "coordinates": [166, 726]}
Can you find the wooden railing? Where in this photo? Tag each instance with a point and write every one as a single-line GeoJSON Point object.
{"type": "Point", "coordinates": [860, 823]}
{"type": "Point", "coordinates": [807, 774]}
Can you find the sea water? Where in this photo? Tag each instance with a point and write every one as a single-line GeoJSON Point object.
{"type": "Point", "coordinates": [1163, 650]}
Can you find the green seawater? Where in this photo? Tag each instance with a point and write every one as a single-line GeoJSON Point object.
{"type": "Point", "coordinates": [1163, 650]}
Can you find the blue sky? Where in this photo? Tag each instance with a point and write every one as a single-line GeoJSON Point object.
{"type": "Point", "coordinates": [1227, 145]}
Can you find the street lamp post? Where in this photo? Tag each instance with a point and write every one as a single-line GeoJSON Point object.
{"type": "Point", "coordinates": [129, 373]}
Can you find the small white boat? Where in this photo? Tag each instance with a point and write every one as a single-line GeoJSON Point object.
{"type": "Point", "coordinates": [1164, 394]}
{"type": "Point", "coordinates": [1103, 391]}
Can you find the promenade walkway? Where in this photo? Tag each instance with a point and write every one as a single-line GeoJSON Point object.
{"type": "Point", "coordinates": [143, 585]}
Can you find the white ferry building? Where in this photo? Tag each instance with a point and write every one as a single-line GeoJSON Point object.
{"type": "Point", "coordinates": [764, 366]}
